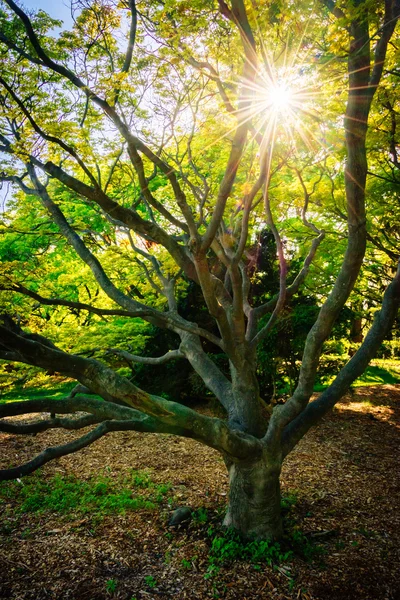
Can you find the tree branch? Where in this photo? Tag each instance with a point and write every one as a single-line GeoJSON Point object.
{"type": "Point", "coordinates": [147, 360]}
{"type": "Point", "coordinates": [45, 424]}
{"type": "Point", "coordinates": [62, 450]}
{"type": "Point", "coordinates": [174, 322]}
{"type": "Point", "coordinates": [184, 422]}
{"type": "Point", "coordinates": [392, 13]}
{"type": "Point", "coordinates": [131, 44]}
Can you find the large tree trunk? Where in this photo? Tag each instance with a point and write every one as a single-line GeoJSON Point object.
{"type": "Point", "coordinates": [246, 411]}
{"type": "Point", "coordinates": [254, 508]}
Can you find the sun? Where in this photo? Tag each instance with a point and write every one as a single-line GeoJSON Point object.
{"type": "Point", "coordinates": [279, 98]}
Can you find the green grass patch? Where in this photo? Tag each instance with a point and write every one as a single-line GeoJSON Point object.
{"type": "Point", "coordinates": [379, 372]}
{"type": "Point", "coordinates": [19, 394]}
{"type": "Point", "coordinates": [99, 495]}
{"type": "Point", "coordinates": [33, 392]}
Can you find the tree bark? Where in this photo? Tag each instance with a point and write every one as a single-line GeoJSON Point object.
{"type": "Point", "coordinates": [254, 508]}
{"type": "Point", "coordinates": [246, 409]}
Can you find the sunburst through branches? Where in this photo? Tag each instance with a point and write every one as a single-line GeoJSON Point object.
{"type": "Point", "coordinates": [285, 99]}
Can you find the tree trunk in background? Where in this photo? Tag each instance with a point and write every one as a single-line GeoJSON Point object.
{"type": "Point", "coordinates": [356, 334]}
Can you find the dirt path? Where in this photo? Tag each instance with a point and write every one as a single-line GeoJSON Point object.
{"type": "Point", "coordinates": [344, 477]}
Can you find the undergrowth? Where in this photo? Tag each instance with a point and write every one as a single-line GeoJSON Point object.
{"type": "Point", "coordinates": [226, 545]}
{"type": "Point", "coordinates": [100, 495]}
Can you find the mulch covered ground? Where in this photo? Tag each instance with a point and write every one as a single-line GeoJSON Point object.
{"type": "Point", "coordinates": [345, 475]}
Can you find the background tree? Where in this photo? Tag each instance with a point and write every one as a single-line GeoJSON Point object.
{"type": "Point", "coordinates": [148, 171]}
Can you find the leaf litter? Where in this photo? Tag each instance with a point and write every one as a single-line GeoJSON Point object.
{"type": "Point", "coordinates": [341, 483]}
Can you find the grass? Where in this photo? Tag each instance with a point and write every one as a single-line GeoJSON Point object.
{"type": "Point", "coordinates": [20, 394]}
{"type": "Point", "coordinates": [379, 372]}
{"type": "Point", "coordinates": [36, 392]}
{"type": "Point", "coordinates": [98, 496]}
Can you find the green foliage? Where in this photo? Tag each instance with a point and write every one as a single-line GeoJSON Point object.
{"type": "Point", "coordinates": [288, 501]}
{"type": "Point", "coordinates": [111, 586]}
{"type": "Point", "coordinates": [200, 516]}
{"type": "Point", "coordinates": [228, 547]}
{"type": "Point", "coordinates": [186, 564]}
{"type": "Point", "coordinates": [302, 546]}
{"type": "Point", "coordinates": [150, 581]}
{"type": "Point", "coordinates": [99, 495]}
{"type": "Point", "coordinates": [32, 250]}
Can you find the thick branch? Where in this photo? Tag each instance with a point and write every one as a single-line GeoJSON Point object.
{"type": "Point", "coordinates": [356, 123]}
{"type": "Point", "coordinates": [392, 13]}
{"type": "Point", "coordinates": [45, 424]}
{"type": "Point", "coordinates": [334, 9]}
{"type": "Point", "coordinates": [211, 375]}
{"type": "Point", "coordinates": [87, 371]}
{"type": "Point", "coordinates": [62, 450]}
{"type": "Point", "coordinates": [160, 415]}
{"type": "Point", "coordinates": [185, 422]}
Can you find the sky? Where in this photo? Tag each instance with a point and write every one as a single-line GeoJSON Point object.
{"type": "Point", "coordinates": [58, 9]}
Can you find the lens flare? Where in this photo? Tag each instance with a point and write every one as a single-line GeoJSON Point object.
{"type": "Point", "coordinates": [279, 98]}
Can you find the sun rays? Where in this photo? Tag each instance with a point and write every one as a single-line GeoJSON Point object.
{"type": "Point", "coordinates": [281, 102]}
{"type": "Point", "coordinates": [279, 98]}
{"type": "Point", "coordinates": [284, 104]}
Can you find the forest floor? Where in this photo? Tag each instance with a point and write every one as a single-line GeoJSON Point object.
{"type": "Point", "coordinates": [94, 525]}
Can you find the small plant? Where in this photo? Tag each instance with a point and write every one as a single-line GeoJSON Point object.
{"type": "Point", "coordinates": [302, 545]}
{"type": "Point", "coordinates": [160, 491]}
{"type": "Point", "coordinates": [212, 570]}
{"type": "Point", "coordinates": [186, 564]}
{"type": "Point", "coordinates": [200, 516]}
{"type": "Point", "coordinates": [26, 533]}
{"type": "Point", "coordinates": [288, 500]}
{"type": "Point", "coordinates": [150, 581]}
{"type": "Point", "coordinates": [111, 586]}
{"type": "Point", "coordinates": [140, 479]}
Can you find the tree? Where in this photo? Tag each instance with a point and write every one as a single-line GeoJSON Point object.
{"type": "Point", "coordinates": [162, 207]}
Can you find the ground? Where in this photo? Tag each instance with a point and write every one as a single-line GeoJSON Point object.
{"type": "Point", "coordinates": [341, 484]}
